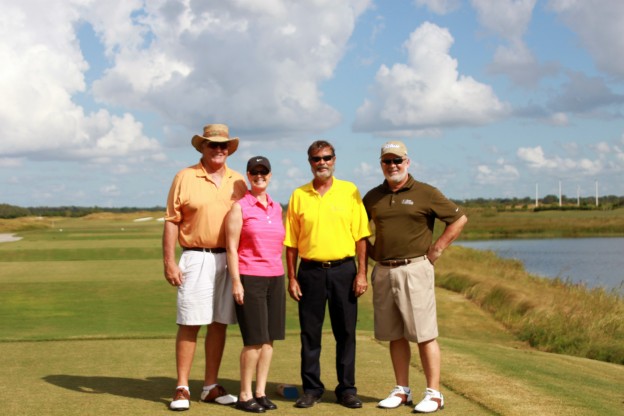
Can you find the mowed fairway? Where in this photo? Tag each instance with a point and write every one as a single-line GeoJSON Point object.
{"type": "Point", "coordinates": [87, 328]}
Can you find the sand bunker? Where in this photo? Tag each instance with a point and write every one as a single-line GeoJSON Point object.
{"type": "Point", "coordinates": [7, 238]}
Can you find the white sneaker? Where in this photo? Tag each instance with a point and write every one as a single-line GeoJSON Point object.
{"type": "Point", "coordinates": [432, 402]}
{"type": "Point", "coordinates": [397, 397]}
{"type": "Point", "coordinates": [181, 399]}
{"type": "Point", "coordinates": [217, 394]}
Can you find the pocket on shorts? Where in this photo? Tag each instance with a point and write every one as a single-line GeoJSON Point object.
{"type": "Point", "coordinates": [430, 273]}
{"type": "Point", "coordinates": [185, 259]}
{"type": "Point", "coordinates": [190, 264]}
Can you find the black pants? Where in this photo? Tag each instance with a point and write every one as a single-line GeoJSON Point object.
{"type": "Point", "coordinates": [333, 286]}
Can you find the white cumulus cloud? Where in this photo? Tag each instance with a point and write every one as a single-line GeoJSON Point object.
{"type": "Point", "coordinates": [42, 70]}
{"type": "Point", "coordinates": [256, 65]}
{"type": "Point", "coordinates": [499, 173]}
{"type": "Point", "coordinates": [509, 20]}
{"type": "Point", "coordinates": [427, 91]}
{"type": "Point", "coordinates": [535, 158]}
{"type": "Point", "coordinates": [599, 26]}
{"type": "Point", "coordinates": [440, 6]}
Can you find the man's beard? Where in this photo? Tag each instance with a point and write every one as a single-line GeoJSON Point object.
{"type": "Point", "coordinates": [397, 177]}
{"type": "Point", "coordinates": [325, 174]}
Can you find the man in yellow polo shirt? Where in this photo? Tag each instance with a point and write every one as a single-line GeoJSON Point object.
{"type": "Point", "coordinates": [199, 199]}
{"type": "Point", "coordinates": [326, 226]}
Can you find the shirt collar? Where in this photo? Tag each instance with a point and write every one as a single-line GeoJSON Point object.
{"type": "Point", "coordinates": [309, 187]}
{"type": "Point", "coordinates": [200, 171]}
{"type": "Point", "coordinates": [269, 200]}
{"type": "Point", "coordinates": [406, 186]}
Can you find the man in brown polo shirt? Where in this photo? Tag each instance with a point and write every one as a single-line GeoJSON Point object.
{"type": "Point", "coordinates": [404, 212]}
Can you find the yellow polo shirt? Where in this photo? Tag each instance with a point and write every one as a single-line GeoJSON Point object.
{"type": "Point", "coordinates": [199, 208]}
{"type": "Point", "coordinates": [326, 227]}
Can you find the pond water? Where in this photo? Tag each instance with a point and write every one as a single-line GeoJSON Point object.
{"type": "Point", "coordinates": [596, 262]}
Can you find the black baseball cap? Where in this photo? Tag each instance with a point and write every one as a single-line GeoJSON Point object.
{"type": "Point", "coordinates": [258, 161]}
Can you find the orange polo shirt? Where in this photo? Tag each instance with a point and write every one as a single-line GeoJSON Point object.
{"type": "Point", "coordinates": [199, 208]}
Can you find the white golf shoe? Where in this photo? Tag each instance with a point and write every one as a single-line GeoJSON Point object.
{"type": "Point", "coordinates": [397, 397]}
{"type": "Point", "coordinates": [218, 395]}
{"type": "Point", "coordinates": [181, 399]}
{"type": "Point", "coordinates": [433, 401]}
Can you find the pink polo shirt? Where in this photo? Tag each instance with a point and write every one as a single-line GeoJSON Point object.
{"type": "Point", "coordinates": [262, 238]}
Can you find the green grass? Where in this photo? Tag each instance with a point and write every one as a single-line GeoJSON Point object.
{"type": "Point", "coordinates": [92, 335]}
{"type": "Point", "coordinates": [490, 224]}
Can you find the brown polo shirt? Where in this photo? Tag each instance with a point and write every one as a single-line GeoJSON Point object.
{"type": "Point", "coordinates": [404, 219]}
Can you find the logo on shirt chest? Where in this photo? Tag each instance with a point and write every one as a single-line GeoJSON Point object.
{"type": "Point", "coordinates": [407, 202]}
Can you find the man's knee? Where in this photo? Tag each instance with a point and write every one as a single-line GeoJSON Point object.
{"type": "Point", "coordinates": [188, 330]}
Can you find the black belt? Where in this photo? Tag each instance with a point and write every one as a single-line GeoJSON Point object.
{"type": "Point", "coordinates": [205, 250]}
{"type": "Point", "coordinates": [401, 262]}
{"type": "Point", "coordinates": [327, 264]}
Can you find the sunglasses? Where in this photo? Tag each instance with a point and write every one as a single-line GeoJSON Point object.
{"type": "Point", "coordinates": [262, 172]}
{"type": "Point", "coordinates": [220, 145]}
{"type": "Point", "coordinates": [397, 161]}
{"type": "Point", "coordinates": [317, 159]}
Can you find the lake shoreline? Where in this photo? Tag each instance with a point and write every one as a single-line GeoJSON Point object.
{"type": "Point", "coordinates": [590, 261]}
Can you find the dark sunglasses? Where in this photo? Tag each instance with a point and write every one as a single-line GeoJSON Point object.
{"type": "Point", "coordinates": [397, 161]}
{"type": "Point", "coordinates": [262, 172]}
{"type": "Point", "coordinates": [317, 159]}
{"type": "Point", "coordinates": [220, 145]}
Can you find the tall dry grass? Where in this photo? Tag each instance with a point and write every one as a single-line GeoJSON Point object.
{"type": "Point", "coordinates": [551, 315]}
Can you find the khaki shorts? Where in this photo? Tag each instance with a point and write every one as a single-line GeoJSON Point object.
{"type": "Point", "coordinates": [404, 302]}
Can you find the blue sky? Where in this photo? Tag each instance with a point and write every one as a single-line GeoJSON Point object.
{"type": "Point", "coordinates": [493, 98]}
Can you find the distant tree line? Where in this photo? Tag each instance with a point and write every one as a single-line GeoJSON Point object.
{"type": "Point", "coordinates": [549, 202]}
{"type": "Point", "coordinates": [11, 211]}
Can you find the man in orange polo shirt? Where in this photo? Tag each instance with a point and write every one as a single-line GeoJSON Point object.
{"type": "Point", "coordinates": [199, 199]}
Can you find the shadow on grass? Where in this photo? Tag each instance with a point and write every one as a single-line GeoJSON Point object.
{"type": "Point", "coordinates": [154, 389]}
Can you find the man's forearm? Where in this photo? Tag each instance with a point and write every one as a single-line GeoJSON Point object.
{"type": "Point", "coordinates": [169, 241]}
{"type": "Point", "coordinates": [451, 232]}
{"type": "Point", "coordinates": [291, 261]}
{"type": "Point", "coordinates": [360, 251]}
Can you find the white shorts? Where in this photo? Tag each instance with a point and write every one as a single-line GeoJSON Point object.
{"type": "Point", "coordinates": [205, 295]}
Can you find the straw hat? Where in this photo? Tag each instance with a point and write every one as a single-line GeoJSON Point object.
{"type": "Point", "coordinates": [216, 133]}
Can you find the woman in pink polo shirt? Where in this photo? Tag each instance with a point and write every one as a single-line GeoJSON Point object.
{"type": "Point", "coordinates": [255, 237]}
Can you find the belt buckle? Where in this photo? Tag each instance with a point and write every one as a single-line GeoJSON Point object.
{"type": "Point", "coordinates": [326, 264]}
{"type": "Point", "coordinates": [398, 262]}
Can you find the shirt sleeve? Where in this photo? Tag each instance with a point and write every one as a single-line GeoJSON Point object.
{"type": "Point", "coordinates": [292, 223]}
{"type": "Point", "coordinates": [240, 187]}
{"type": "Point", "coordinates": [360, 227]}
{"type": "Point", "coordinates": [445, 210]}
{"type": "Point", "coordinates": [174, 204]}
